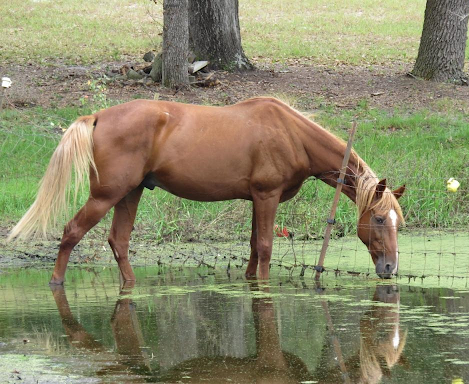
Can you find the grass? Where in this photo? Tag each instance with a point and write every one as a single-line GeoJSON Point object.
{"type": "Point", "coordinates": [421, 150]}
{"type": "Point", "coordinates": [352, 32]}
{"type": "Point", "coordinates": [78, 32]}
{"type": "Point", "coordinates": [326, 32]}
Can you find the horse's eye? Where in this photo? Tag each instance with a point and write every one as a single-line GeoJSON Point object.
{"type": "Point", "coordinates": [379, 220]}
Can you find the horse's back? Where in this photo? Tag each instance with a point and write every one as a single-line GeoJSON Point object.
{"type": "Point", "coordinates": [202, 152]}
{"type": "Point", "coordinates": [259, 107]}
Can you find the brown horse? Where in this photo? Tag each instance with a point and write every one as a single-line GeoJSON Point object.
{"type": "Point", "coordinates": [260, 150]}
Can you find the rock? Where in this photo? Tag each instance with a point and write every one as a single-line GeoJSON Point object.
{"type": "Point", "coordinates": [156, 72]}
{"type": "Point", "coordinates": [111, 74]}
{"type": "Point", "coordinates": [133, 75]}
{"type": "Point", "coordinates": [149, 56]}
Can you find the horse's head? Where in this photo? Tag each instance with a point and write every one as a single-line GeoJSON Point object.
{"type": "Point", "coordinates": [377, 228]}
{"type": "Point", "coordinates": [382, 340]}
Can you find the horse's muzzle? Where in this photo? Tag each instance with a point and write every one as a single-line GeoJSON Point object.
{"type": "Point", "coordinates": [386, 270]}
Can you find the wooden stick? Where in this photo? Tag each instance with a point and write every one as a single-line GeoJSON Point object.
{"type": "Point", "coordinates": [330, 222]}
{"type": "Point", "coordinates": [335, 343]}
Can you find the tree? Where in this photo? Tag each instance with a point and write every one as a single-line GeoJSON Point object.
{"type": "Point", "coordinates": [175, 43]}
{"type": "Point", "coordinates": [209, 28]}
{"type": "Point", "coordinates": [443, 43]}
{"type": "Point", "coordinates": [214, 34]}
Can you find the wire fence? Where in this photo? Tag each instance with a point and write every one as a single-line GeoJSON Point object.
{"type": "Point", "coordinates": [176, 232]}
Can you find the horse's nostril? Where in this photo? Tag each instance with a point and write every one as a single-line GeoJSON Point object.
{"type": "Point", "coordinates": [387, 268]}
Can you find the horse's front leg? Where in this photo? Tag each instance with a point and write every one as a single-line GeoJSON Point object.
{"type": "Point", "coordinates": [122, 224]}
{"type": "Point", "coordinates": [251, 270]}
{"type": "Point", "coordinates": [265, 207]}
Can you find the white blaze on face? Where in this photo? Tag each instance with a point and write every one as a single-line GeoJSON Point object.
{"type": "Point", "coordinates": [396, 339]}
{"type": "Point", "coordinates": [393, 216]}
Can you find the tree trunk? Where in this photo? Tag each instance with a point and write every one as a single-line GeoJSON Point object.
{"type": "Point", "coordinates": [443, 42]}
{"type": "Point", "coordinates": [214, 34]}
{"type": "Point", "coordinates": [175, 43]}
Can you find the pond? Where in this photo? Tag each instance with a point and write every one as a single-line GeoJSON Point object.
{"type": "Point", "coordinates": [193, 325]}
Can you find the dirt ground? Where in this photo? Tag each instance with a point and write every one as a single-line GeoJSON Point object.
{"type": "Point", "coordinates": [309, 86]}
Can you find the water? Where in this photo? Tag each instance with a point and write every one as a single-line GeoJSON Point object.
{"type": "Point", "coordinates": [186, 326]}
{"type": "Point", "coordinates": [440, 256]}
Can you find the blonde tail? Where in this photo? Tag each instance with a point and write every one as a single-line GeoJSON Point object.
{"type": "Point", "coordinates": [75, 151]}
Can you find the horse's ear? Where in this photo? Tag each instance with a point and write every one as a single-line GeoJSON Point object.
{"type": "Point", "coordinates": [404, 362]}
{"type": "Point", "coordinates": [380, 188]}
{"type": "Point", "coordinates": [399, 192]}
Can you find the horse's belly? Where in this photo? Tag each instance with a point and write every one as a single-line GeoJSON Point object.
{"type": "Point", "coordinates": [199, 188]}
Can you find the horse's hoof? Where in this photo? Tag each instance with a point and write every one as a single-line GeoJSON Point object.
{"type": "Point", "coordinates": [56, 282]}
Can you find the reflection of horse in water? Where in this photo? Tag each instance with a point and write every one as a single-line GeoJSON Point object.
{"type": "Point", "coordinates": [127, 335]}
{"type": "Point", "coordinates": [381, 339]}
{"type": "Point", "coordinates": [381, 343]}
{"type": "Point", "coordinates": [269, 365]}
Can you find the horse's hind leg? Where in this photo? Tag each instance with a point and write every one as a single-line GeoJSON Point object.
{"type": "Point", "coordinates": [251, 269]}
{"type": "Point", "coordinates": [86, 218]}
{"type": "Point", "coordinates": [122, 224]}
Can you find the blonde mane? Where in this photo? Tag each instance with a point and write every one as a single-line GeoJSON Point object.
{"type": "Point", "coordinates": [365, 192]}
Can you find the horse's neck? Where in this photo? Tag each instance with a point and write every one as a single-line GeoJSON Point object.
{"type": "Point", "coordinates": [349, 186]}
{"type": "Point", "coordinates": [326, 154]}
